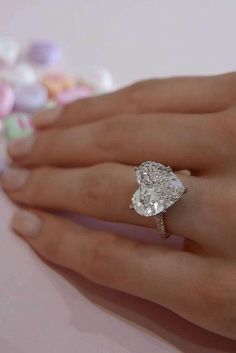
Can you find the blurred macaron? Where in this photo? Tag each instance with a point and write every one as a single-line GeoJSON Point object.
{"type": "Point", "coordinates": [44, 52]}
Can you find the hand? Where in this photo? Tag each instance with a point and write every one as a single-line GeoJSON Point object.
{"type": "Point", "coordinates": [82, 159]}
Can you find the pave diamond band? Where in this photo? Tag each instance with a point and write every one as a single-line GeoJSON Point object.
{"type": "Point", "coordinates": [160, 224]}
{"type": "Point", "coordinates": [159, 188]}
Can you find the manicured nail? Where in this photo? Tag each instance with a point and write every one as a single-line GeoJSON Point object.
{"type": "Point", "coordinates": [21, 147]}
{"type": "Point", "coordinates": [26, 223]}
{"type": "Point", "coordinates": [14, 178]}
{"type": "Point", "coordinates": [47, 117]}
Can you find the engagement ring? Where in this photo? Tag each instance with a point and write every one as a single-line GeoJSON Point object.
{"type": "Point", "coordinates": [159, 188]}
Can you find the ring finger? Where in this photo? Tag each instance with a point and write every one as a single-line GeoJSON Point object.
{"type": "Point", "coordinates": [103, 191]}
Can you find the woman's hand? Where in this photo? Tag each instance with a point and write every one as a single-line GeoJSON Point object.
{"type": "Point", "coordinates": [82, 160]}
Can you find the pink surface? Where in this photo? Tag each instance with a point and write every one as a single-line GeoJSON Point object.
{"type": "Point", "coordinates": [44, 309]}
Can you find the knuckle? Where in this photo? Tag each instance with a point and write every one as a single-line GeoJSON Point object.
{"type": "Point", "coordinates": [215, 213]}
{"type": "Point", "coordinates": [135, 97]}
{"type": "Point", "coordinates": [226, 87]}
{"type": "Point", "coordinates": [214, 202]}
{"type": "Point", "coordinates": [229, 82]}
{"type": "Point", "coordinates": [40, 146]}
{"type": "Point", "coordinates": [217, 295]}
{"type": "Point", "coordinates": [137, 87]}
{"type": "Point", "coordinates": [96, 187]}
{"type": "Point", "coordinates": [34, 190]}
{"type": "Point", "coordinates": [229, 129]}
{"type": "Point", "coordinates": [109, 139]}
{"type": "Point", "coordinates": [211, 293]}
{"type": "Point", "coordinates": [101, 267]}
{"type": "Point", "coordinates": [51, 146]}
{"type": "Point", "coordinates": [47, 147]}
{"type": "Point", "coordinates": [224, 128]}
{"type": "Point", "coordinates": [53, 247]}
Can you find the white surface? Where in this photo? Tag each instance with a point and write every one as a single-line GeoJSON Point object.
{"type": "Point", "coordinates": [41, 311]}
{"type": "Point", "coordinates": [134, 38]}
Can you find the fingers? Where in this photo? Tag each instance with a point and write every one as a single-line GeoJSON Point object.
{"type": "Point", "coordinates": [158, 274]}
{"type": "Point", "coordinates": [177, 140]}
{"type": "Point", "coordinates": [102, 191]}
{"type": "Point", "coordinates": [179, 95]}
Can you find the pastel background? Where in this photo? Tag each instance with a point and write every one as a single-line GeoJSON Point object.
{"type": "Point", "coordinates": [47, 310]}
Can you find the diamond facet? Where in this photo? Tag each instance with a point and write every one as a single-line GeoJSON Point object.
{"type": "Point", "coordinates": [147, 205]}
{"type": "Point", "coordinates": [159, 188]}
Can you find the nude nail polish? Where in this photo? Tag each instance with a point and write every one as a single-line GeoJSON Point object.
{"type": "Point", "coordinates": [14, 178]}
{"type": "Point", "coordinates": [47, 117]}
{"type": "Point", "coordinates": [21, 147]}
{"type": "Point", "coordinates": [26, 223]}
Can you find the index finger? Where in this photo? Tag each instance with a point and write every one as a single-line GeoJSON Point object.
{"type": "Point", "coordinates": [179, 95]}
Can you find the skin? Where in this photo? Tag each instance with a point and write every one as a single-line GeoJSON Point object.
{"type": "Point", "coordinates": [84, 159]}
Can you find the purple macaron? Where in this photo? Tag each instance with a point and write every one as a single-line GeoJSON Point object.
{"type": "Point", "coordinates": [30, 99]}
{"type": "Point", "coordinates": [44, 52]}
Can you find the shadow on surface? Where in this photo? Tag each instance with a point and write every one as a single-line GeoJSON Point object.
{"type": "Point", "coordinates": [186, 337]}
{"type": "Point", "coordinates": [150, 317]}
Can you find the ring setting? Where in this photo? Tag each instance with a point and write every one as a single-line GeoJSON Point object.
{"type": "Point", "coordinates": [159, 188]}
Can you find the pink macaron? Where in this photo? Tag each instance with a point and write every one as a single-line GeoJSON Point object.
{"type": "Point", "coordinates": [77, 92]}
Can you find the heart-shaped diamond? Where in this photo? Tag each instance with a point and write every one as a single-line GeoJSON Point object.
{"type": "Point", "coordinates": [159, 188]}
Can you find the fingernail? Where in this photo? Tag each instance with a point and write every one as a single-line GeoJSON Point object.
{"type": "Point", "coordinates": [26, 223]}
{"type": "Point", "coordinates": [47, 117]}
{"type": "Point", "coordinates": [14, 178]}
{"type": "Point", "coordinates": [21, 147]}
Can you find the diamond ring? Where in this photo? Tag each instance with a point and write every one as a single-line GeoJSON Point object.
{"type": "Point", "coordinates": [159, 188]}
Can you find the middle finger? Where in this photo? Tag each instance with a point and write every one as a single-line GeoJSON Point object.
{"type": "Point", "coordinates": [182, 141]}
